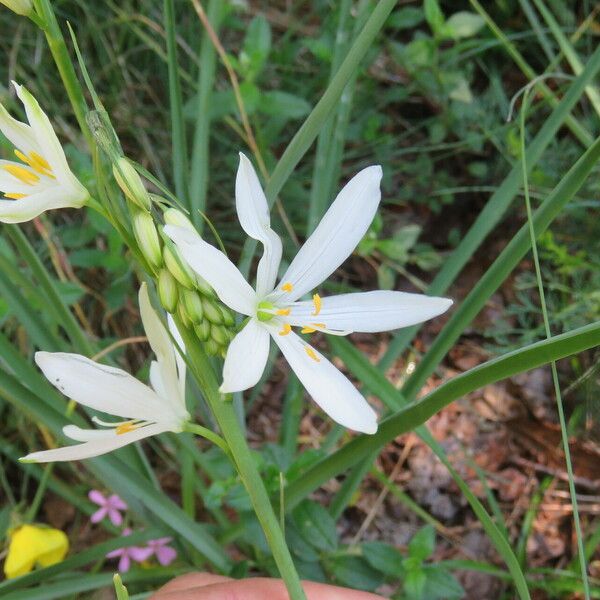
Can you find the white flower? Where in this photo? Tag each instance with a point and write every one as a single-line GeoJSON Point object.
{"type": "Point", "coordinates": [147, 410]}
{"type": "Point", "coordinates": [42, 179]}
{"type": "Point", "coordinates": [21, 7]}
{"type": "Point", "coordinates": [274, 310]}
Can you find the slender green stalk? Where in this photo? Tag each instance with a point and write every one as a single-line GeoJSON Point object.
{"type": "Point", "coordinates": [574, 125]}
{"type": "Point", "coordinates": [502, 267]}
{"type": "Point", "coordinates": [180, 166]}
{"type": "Point", "coordinates": [199, 173]}
{"type": "Point", "coordinates": [58, 48]}
{"type": "Point", "coordinates": [209, 435]}
{"type": "Point", "coordinates": [224, 413]}
{"type": "Point", "coordinates": [311, 127]}
{"type": "Point", "coordinates": [559, 405]}
{"type": "Point", "coordinates": [499, 202]}
{"type": "Point", "coordinates": [518, 361]}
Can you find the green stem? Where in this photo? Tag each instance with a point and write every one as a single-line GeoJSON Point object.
{"type": "Point", "coordinates": [243, 460]}
{"type": "Point", "coordinates": [58, 48]}
{"type": "Point", "coordinates": [209, 435]}
{"type": "Point", "coordinates": [559, 405]}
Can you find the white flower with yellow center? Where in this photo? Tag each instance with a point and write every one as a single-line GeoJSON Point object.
{"type": "Point", "coordinates": [41, 180]}
{"type": "Point", "coordinates": [147, 410]}
{"type": "Point", "coordinates": [275, 309]}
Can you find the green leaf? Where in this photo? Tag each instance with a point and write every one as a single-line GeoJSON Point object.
{"type": "Point", "coordinates": [441, 584]}
{"type": "Point", "coordinates": [463, 24]}
{"type": "Point", "coordinates": [283, 105]}
{"type": "Point", "coordinates": [256, 48]}
{"type": "Point", "coordinates": [383, 557]}
{"type": "Point", "coordinates": [315, 525]}
{"type": "Point", "coordinates": [414, 584]}
{"type": "Point", "coordinates": [355, 573]}
{"type": "Point", "coordinates": [422, 544]}
{"type": "Point", "coordinates": [434, 16]}
{"type": "Point", "coordinates": [406, 18]}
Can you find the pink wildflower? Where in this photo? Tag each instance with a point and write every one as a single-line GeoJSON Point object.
{"type": "Point", "coordinates": [108, 506]}
{"type": "Point", "coordinates": [127, 553]}
{"type": "Point", "coordinates": [164, 554]}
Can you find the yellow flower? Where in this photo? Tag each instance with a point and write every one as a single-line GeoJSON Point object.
{"type": "Point", "coordinates": [31, 545]}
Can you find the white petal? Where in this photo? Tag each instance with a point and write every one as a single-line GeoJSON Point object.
{"type": "Point", "coordinates": [253, 213]}
{"type": "Point", "coordinates": [96, 446]}
{"type": "Point", "coordinates": [336, 236]}
{"type": "Point", "coordinates": [181, 366]}
{"type": "Point", "coordinates": [370, 311]}
{"type": "Point", "coordinates": [246, 358]}
{"type": "Point", "coordinates": [331, 390]}
{"type": "Point", "coordinates": [213, 266]}
{"type": "Point", "coordinates": [100, 387]}
{"type": "Point", "coordinates": [25, 209]}
{"type": "Point", "coordinates": [86, 435]}
{"type": "Point", "coordinates": [19, 134]}
{"type": "Point", "coordinates": [50, 147]}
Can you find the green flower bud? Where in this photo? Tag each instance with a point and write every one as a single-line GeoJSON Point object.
{"type": "Point", "coordinates": [167, 290]}
{"type": "Point", "coordinates": [219, 334]}
{"type": "Point", "coordinates": [178, 267]}
{"type": "Point", "coordinates": [185, 319]}
{"type": "Point", "coordinates": [21, 7]}
{"type": "Point", "coordinates": [202, 330]}
{"type": "Point", "coordinates": [147, 238]}
{"type": "Point", "coordinates": [212, 311]}
{"type": "Point", "coordinates": [212, 348]}
{"type": "Point", "coordinates": [228, 318]}
{"type": "Point", "coordinates": [173, 216]}
{"type": "Point", "coordinates": [204, 288]}
{"type": "Point", "coordinates": [193, 305]}
{"type": "Point", "coordinates": [131, 183]}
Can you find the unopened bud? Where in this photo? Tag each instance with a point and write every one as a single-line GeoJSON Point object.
{"type": "Point", "coordinates": [219, 334]}
{"type": "Point", "coordinates": [212, 348]}
{"type": "Point", "coordinates": [178, 267]}
{"type": "Point", "coordinates": [202, 330]}
{"type": "Point", "coordinates": [21, 7]}
{"type": "Point", "coordinates": [204, 288]}
{"type": "Point", "coordinates": [212, 311]}
{"type": "Point", "coordinates": [193, 305]}
{"type": "Point", "coordinates": [167, 290]}
{"type": "Point", "coordinates": [131, 183]}
{"type": "Point", "coordinates": [173, 216]}
{"type": "Point", "coordinates": [183, 315]}
{"type": "Point", "coordinates": [228, 318]}
{"type": "Point", "coordinates": [147, 237]}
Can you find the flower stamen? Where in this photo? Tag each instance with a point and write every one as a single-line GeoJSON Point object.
{"type": "Point", "coordinates": [311, 353]}
{"type": "Point", "coordinates": [22, 174]}
{"type": "Point", "coordinates": [287, 287]}
{"type": "Point", "coordinates": [36, 162]}
{"type": "Point", "coordinates": [286, 329]}
{"type": "Point", "coordinates": [15, 196]}
{"type": "Point", "coordinates": [126, 427]}
{"type": "Point", "coordinates": [317, 303]}
{"type": "Point", "coordinates": [284, 312]}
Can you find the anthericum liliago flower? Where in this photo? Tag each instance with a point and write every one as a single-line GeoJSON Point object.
{"type": "Point", "coordinates": [147, 410]}
{"type": "Point", "coordinates": [41, 180]}
{"type": "Point", "coordinates": [275, 309]}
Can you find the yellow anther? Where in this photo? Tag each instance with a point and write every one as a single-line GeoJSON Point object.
{"type": "Point", "coordinates": [36, 162]}
{"type": "Point", "coordinates": [284, 312]}
{"type": "Point", "coordinates": [311, 353]}
{"type": "Point", "coordinates": [317, 303]}
{"type": "Point", "coordinates": [15, 196]}
{"type": "Point", "coordinates": [287, 328]}
{"type": "Point", "coordinates": [287, 287]}
{"type": "Point", "coordinates": [126, 428]}
{"type": "Point", "coordinates": [307, 330]}
{"type": "Point", "coordinates": [22, 174]}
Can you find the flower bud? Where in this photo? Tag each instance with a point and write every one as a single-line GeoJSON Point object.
{"type": "Point", "coordinates": [219, 334]}
{"type": "Point", "coordinates": [167, 290]}
{"type": "Point", "coordinates": [193, 305]}
{"type": "Point", "coordinates": [21, 7]}
{"type": "Point", "coordinates": [147, 237]}
{"type": "Point", "coordinates": [204, 288]}
{"type": "Point", "coordinates": [173, 216]}
{"type": "Point", "coordinates": [178, 267]}
{"type": "Point", "coordinates": [212, 348]}
{"type": "Point", "coordinates": [202, 330]}
{"type": "Point", "coordinates": [131, 183]}
{"type": "Point", "coordinates": [228, 318]}
{"type": "Point", "coordinates": [185, 319]}
{"type": "Point", "coordinates": [212, 311]}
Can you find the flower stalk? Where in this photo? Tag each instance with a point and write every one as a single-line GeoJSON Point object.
{"type": "Point", "coordinates": [226, 418]}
